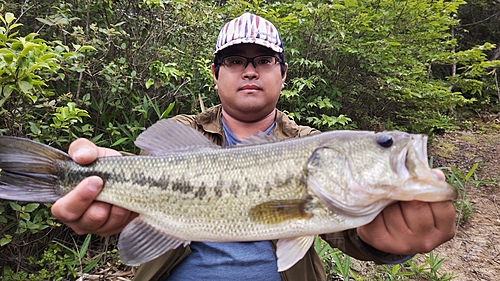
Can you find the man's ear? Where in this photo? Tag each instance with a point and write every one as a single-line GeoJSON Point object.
{"type": "Point", "coordinates": [214, 77]}
{"type": "Point", "coordinates": [283, 77]}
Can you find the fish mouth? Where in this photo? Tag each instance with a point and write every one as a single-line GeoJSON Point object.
{"type": "Point", "coordinates": [422, 183]}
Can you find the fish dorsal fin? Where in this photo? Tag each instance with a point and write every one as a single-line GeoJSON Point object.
{"type": "Point", "coordinates": [260, 138]}
{"type": "Point", "coordinates": [140, 242]}
{"type": "Point", "coordinates": [168, 135]}
{"type": "Point", "coordinates": [290, 250]}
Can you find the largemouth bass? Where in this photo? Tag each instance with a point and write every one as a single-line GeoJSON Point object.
{"type": "Point", "coordinates": [190, 189]}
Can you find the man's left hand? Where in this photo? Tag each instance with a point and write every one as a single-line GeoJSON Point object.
{"type": "Point", "coordinates": [412, 227]}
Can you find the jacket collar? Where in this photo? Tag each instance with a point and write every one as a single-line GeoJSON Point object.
{"type": "Point", "coordinates": [211, 121]}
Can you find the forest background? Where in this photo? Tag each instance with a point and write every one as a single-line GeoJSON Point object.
{"type": "Point", "coordinates": [106, 70]}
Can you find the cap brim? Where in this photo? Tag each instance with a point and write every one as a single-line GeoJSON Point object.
{"type": "Point", "coordinates": [257, 41]}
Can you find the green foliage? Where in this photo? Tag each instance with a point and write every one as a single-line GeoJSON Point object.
{"type": "Point", "coordinates": [463, 206]}
{"type": "Point", "coordinates": [435, 264]}
{"type": "Point", "coordinates": [462, 182]}
{"type": "Point", "coordinates": [368, 65]}
{"type": "Point", "coordinates": [75, 260]}
{"type": "Point", "coordinates": [23, 226]}
{"type": "Point", "coordinates": [374, 59]}
{"type": "Point", "coordinates": [473, 67]}
{"type": "Point", "coordinates": [20, 220]}
{"type": "Point", "coordinates": [58, 262]}
{"type": "Point", "coordinates": [334, 261]}
{"type": "Point", "coordinates": [28, 106]}
{"type": "Point", "coordinates": [24, 61]}
{"type": "Point", "coordinates": [106, 70]}
{"type": "Point", "coordinates": [413, 270]}
{"type": "Point", "coordinates": [338, 264]}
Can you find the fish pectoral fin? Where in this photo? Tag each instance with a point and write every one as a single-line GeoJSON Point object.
{"type": "Point", "coordinates": [140, 242]}
{"type": "Point", "coordinates": [290, 250]}
{"type": "Point", "coordinates": [277, 211]}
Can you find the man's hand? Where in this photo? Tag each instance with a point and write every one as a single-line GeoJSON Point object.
{"type": "Point", "coordinates": [411, 227]}
{"type": "Point", "coordinates": [78, 210]}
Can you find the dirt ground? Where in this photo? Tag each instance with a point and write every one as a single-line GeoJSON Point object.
{"type": "Point", "coordinates": [474, 254]}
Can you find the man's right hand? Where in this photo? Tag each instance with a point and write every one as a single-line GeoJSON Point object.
{"type": "Point", "coordinates": [78, 209]}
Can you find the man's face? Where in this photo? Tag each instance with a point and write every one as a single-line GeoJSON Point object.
{"type": "Point", "coordinates": [252, 93]}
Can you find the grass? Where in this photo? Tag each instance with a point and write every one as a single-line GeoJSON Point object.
{"type": "Point", "coordinates": [340, 267]}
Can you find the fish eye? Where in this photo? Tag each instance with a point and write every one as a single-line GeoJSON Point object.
{"type": "Point", "coordinates": [385, 140]}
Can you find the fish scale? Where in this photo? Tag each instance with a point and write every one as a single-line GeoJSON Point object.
{"type": "Point", "coordinates": [189, 189]}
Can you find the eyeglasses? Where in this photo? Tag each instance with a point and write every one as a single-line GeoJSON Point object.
{"type": "Point", "coordinates": [239, 63]}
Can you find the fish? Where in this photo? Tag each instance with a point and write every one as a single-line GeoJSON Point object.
{"type": "Point", "coordinates": [190, 189]}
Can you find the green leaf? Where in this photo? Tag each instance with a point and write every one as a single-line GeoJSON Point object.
{"type": "Point", "coordinates": [168, 110]}
{"type": "Point", "coordinates": [31, 207]}
{"type": "Point", "coordinates": [119, 141]}
{"type": "Point", "coordinates": [471, 171]}
{"type": "Point", "coordinates": [9, 17]}
{"type": "Point", "coordinates": [44, 21]}
{"type": "Point", "coordinates": [25, 216]}
{"type": "Point", "coordinates": [4, 241]}
{"type": "Point", "coordinates": [86, 48]}
{"type": "Point", "coordinates": [92, 264]}
{"type": "Point", "coordinates": [15, 206]}
{"type": "Point", "coordinates": [28, 46]}
{"type": "Point", "coordinates": [85, 246]}
{"type": "Point", "coordinates": [7, 91]}
{"type": "Point", "coordinates": [25, 86]}
{"type": "Point", "coordinates": [15, 25]}
{"type": "Point", "coordinates": [149, 83]}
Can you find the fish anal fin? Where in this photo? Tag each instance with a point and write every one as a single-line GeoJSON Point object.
{"type": "Point", "coordinates": [277, 211]}
{"type": "Point", "coordinates": [140, 242]}
{"type": "Point", "coordinates": [290, 250]}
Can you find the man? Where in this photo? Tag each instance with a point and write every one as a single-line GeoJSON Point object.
{"type": "Point", "coordinates": [249, 71]}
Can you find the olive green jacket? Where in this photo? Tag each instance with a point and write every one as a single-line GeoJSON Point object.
{"type": "Point", "coordinates": [308, 268]}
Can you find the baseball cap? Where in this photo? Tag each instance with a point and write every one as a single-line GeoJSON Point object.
{"type": "Point", "coordinates": [249, 28]}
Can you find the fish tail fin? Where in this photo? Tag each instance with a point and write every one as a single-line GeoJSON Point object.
{"type": "Point", "coordinates": [29, 170]}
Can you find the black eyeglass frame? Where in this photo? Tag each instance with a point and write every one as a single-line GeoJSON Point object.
{"type": "Point", "coordinates": [250, 60]}
{"type": "Point", "coordinates": [217, 63]}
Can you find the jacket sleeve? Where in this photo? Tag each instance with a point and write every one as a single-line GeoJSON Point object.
{"type": "Point", "coordinates": [349, 242]}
